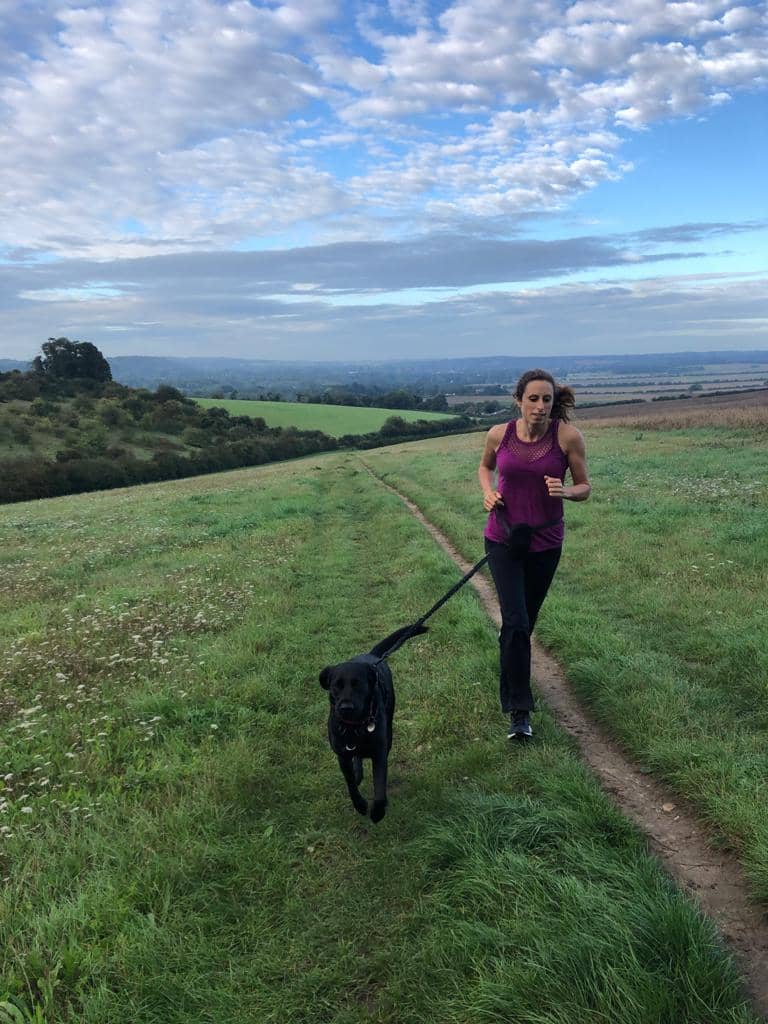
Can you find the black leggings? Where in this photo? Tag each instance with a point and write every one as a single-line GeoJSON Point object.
{"type": "Point", "coordinates": [521, 584]}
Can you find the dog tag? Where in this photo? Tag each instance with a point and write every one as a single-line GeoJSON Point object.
{"type": "Point", "coordinates": [371, 726]}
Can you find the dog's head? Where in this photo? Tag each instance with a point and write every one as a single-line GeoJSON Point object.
{"type": "Point", "coordinates": [350, 686]}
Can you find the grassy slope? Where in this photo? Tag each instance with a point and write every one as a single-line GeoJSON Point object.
{"type": "Point", "coordinates": [190, 854]}
{"type": "Point", "coordinates": [658, 611]}
{"type": "Point", "coordinates": [334, 420]}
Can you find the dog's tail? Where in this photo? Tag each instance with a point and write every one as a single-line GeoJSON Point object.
{"type": "Point", "coordinates": [395, 640]}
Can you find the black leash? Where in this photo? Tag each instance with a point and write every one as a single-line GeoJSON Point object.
{"type": "Point", "coordinates": [414, 629]}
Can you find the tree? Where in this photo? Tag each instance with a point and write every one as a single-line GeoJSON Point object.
{"type": "Point", "coordinates": [165, 393]}
{"type": "Point", "coordinates": [438, 403]}
{"type": "Point", "coordinates": [71, 359]}
{"type": "Point", "coordinates": [393, 426]}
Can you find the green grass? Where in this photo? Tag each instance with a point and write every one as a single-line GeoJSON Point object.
{"type": "Point", "coordinates": [334, 420]}
{"type": "Point", "coordinates": [658, 608]}
{"type": "Point", "coordinates": [190, 853]}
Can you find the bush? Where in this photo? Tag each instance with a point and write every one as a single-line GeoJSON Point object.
{"type": "Point", "coordinates": [111, 414]}
{"type": "Point", "coordinates": [20, 386]}
{"type": "Point", "coordinates": [94, 442]}
{"type": "Point", "coordinates": [21, 433]}
{"type": "Point", "coordinates": [393, 427]}
{"type": "Point", "coordinates": [42, 407]}
{"type": "Point", "coordinates": [68, 455]}
{"type": "Point", "coordinates": [195, 437]}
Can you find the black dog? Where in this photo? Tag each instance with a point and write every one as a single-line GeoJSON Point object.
{"type": "Point", "coordinates": [362, 699]}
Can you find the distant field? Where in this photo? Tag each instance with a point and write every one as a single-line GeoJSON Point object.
{"type": "Point", "coordinates": [334, 420]}
{"type": "Point", "coordinates": [747, 410]}
{"type": "Point", "coordinates": [606, 387]}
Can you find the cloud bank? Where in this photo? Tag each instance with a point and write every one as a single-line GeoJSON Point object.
{"type": "Point", "coordinates": [433, 296]}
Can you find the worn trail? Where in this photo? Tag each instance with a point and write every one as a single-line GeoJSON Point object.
{"type": "Point", "coordinates": [677, 837]}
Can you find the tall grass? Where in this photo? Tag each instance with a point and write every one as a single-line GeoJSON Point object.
{"type": "Point", "coordinates": [178, 845]}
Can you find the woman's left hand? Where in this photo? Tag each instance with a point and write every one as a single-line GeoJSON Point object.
{"type": "Point", "coordinates": [555, 486]}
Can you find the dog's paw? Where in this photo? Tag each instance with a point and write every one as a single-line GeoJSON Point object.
{"type": "Point", "coordinates": [361, 805]}
{"type": "Point", "coordinates": [378, 810]}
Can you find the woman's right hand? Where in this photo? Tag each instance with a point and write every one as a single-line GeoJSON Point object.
{"type": "Point", "coordinates": [492, 500]}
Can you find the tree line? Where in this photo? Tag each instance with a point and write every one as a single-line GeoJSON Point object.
{"type": "Point", "coordinates": [349, 395]}
{"type": "Point", "coordinates": [400, 398]}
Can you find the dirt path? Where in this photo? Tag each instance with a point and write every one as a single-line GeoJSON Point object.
{"type": "Point", "coordinates": [676, 836]}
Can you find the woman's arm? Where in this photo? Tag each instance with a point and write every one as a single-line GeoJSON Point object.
{"type": "Point", "coordinates": [491, 497]}
{"type": "Point", "coordinates": [572, 443]}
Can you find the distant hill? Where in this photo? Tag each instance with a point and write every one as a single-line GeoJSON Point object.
{"type": "Point", "coordinates": [204, 376]}
{"type": "Point", "coordinates": [129, 369]}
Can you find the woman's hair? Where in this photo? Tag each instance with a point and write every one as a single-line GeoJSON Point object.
{"type": "Point", "coordinates": [564, 399]}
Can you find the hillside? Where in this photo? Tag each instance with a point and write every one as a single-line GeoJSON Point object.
{"type": "Point", "coordinates": [79, 435]}
{"type": "Point", "coordinates": [63, 436]}
{"type": "Point", "coordinates": [177, 844]}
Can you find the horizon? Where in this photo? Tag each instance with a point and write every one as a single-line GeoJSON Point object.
{"type": "Point", "coordinates": [345, 183]}
{"type": "Point", "coordinates": [730, 355]}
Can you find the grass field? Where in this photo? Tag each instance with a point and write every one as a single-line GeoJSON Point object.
{"type": "Point", "coordinates": [658, 612]}
{"type": "Point", "coordinates": [334, 420]}
{"type": "Point", "coordinates": [177, 844]}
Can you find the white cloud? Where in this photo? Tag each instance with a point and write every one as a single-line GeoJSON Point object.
{"type": "Point", "coordinates": [137, 126]}
{"type": "Point", "coordinates": [156, 113]}
{"type": "Point", "coordinates": [573, 76]}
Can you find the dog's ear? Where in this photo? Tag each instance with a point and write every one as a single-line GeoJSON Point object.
{"type": "Point", "coordinates": [325, 677]}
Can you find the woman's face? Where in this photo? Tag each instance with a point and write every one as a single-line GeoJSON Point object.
{"type": "Point", "coordinates": [536, 403]}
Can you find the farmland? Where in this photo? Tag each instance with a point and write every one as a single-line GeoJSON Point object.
{"type": "Point", "coordinates": [177, 844]}
{"type": "Point", "coordinates": [603, 387]}
{"type": "Point", "coordinates": [334, 420]}
{"type": "Point", "coordinates": [748, 411]}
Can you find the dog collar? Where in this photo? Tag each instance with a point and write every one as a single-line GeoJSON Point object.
{"type": "Point", "coordinates": [369, 722]}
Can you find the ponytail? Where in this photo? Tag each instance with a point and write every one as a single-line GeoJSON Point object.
{"type": "Point", "coordinates": [564, 402]}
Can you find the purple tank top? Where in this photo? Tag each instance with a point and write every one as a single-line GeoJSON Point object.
{"type": "Point", "coordinates": [522, 466]}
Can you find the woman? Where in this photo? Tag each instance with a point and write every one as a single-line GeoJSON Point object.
{"type": "Point", "coordinates": [532, 454]}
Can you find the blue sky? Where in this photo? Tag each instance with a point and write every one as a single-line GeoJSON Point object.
{"type": "Point", "coordinates": [387, 179]}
